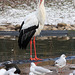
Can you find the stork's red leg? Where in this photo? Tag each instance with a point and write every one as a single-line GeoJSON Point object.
{"type": "Point", "coordinates": [35, 50]}
{"type": "Point", "coordinates": [31, 50]}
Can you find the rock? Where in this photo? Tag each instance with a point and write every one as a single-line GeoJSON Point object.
{"type": "Point", "coordinates": [11, 26]}
{"type": "Point", "coordinates": [63, 38]}
{"type": "Point", "coordinates": [3, 28]}
{"type": "Point", "coordinates": [60, 28]}
{"type": "Point", "coordinates": [61, 24]}
{"type": "Point", "coordinates": [17, 27]}
{"type": "Point", "coordinates": [54, 28]}
{"type": "Point", "coordinates": [1, 37]}
{"type": "Point", "coordinates": [73, 38]}
{"type": "Point", "coordinates": [47, 27]}
{"type": "Point", "coordinates": [68, 24]}
{"type": "Point", "coordinates": [72, 67]}
{"type": "Point", "coordinates": [67, 28]}
{"type": "Point", "coordinates": [42, 38]}
{"type": "Point", "coordinates": [72, 28]}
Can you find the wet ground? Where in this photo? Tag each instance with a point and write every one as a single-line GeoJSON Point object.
{"type": "Point", "coordinates": [25, 68]}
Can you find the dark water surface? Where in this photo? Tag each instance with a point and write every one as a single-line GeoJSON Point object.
{"type": "Point", "coordinates": [47, 47]}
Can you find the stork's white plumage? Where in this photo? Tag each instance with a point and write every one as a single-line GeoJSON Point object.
{"type": "Point", "coordinates": [38, 70]}
{"type": "Point", "coordinates": [32, 26]}
{"type": "Point", "coordinates": [61, 62]}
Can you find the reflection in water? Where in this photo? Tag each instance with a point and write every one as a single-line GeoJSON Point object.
{"type": "Point", "coordinates": [51, 47]}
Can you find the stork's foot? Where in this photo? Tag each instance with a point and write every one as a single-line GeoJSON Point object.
{"type": "Point", "coordinates": [31, 59]}
{"type": "Point", "coordinates": [36, 59]}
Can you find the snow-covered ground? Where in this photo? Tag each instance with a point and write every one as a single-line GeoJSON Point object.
{"type": "Point", "coordinates": [55, 13]}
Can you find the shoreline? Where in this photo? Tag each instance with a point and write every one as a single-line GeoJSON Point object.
{"type": "Point", "coordinates": [59, 26]}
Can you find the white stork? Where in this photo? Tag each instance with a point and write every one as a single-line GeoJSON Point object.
{"type": "Point", "coordinates": [32, 26]}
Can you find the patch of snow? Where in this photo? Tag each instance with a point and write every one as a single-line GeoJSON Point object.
{"type": "Point", "coordinates": [63, 14]}
{"type": "Point", "coordinates": [55, 14]}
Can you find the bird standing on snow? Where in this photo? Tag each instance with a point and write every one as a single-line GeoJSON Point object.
{"type": "Point", "coordinates": [32, 26]}
{"type": "Point", "coordinates": [38, 70]}
{"type": "Point", "coordinates": [61, 62]}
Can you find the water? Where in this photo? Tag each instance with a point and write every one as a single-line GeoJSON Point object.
{"type": "Point", "coordinates": [47, 47]}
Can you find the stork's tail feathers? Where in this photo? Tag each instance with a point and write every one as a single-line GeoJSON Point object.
{"type": "Point", "coordinates": [25, 36]}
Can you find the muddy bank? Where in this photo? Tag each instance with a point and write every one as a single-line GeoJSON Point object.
{"type": "Point", "coordinates": [25, 69]}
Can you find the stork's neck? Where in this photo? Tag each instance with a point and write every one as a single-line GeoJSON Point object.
{"type": "Point", "coordinates": [41, 2]}
{"type": "Point", "coordinates": [41, 12]}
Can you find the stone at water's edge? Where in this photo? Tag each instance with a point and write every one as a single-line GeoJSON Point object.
{"type": "Point", "coordinates": [60, 26]}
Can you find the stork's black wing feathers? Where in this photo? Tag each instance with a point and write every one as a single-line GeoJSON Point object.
{"type": "Point", "coordinates": [21, 26]}
{"type": "Point", "coordinates": [26, 35]}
